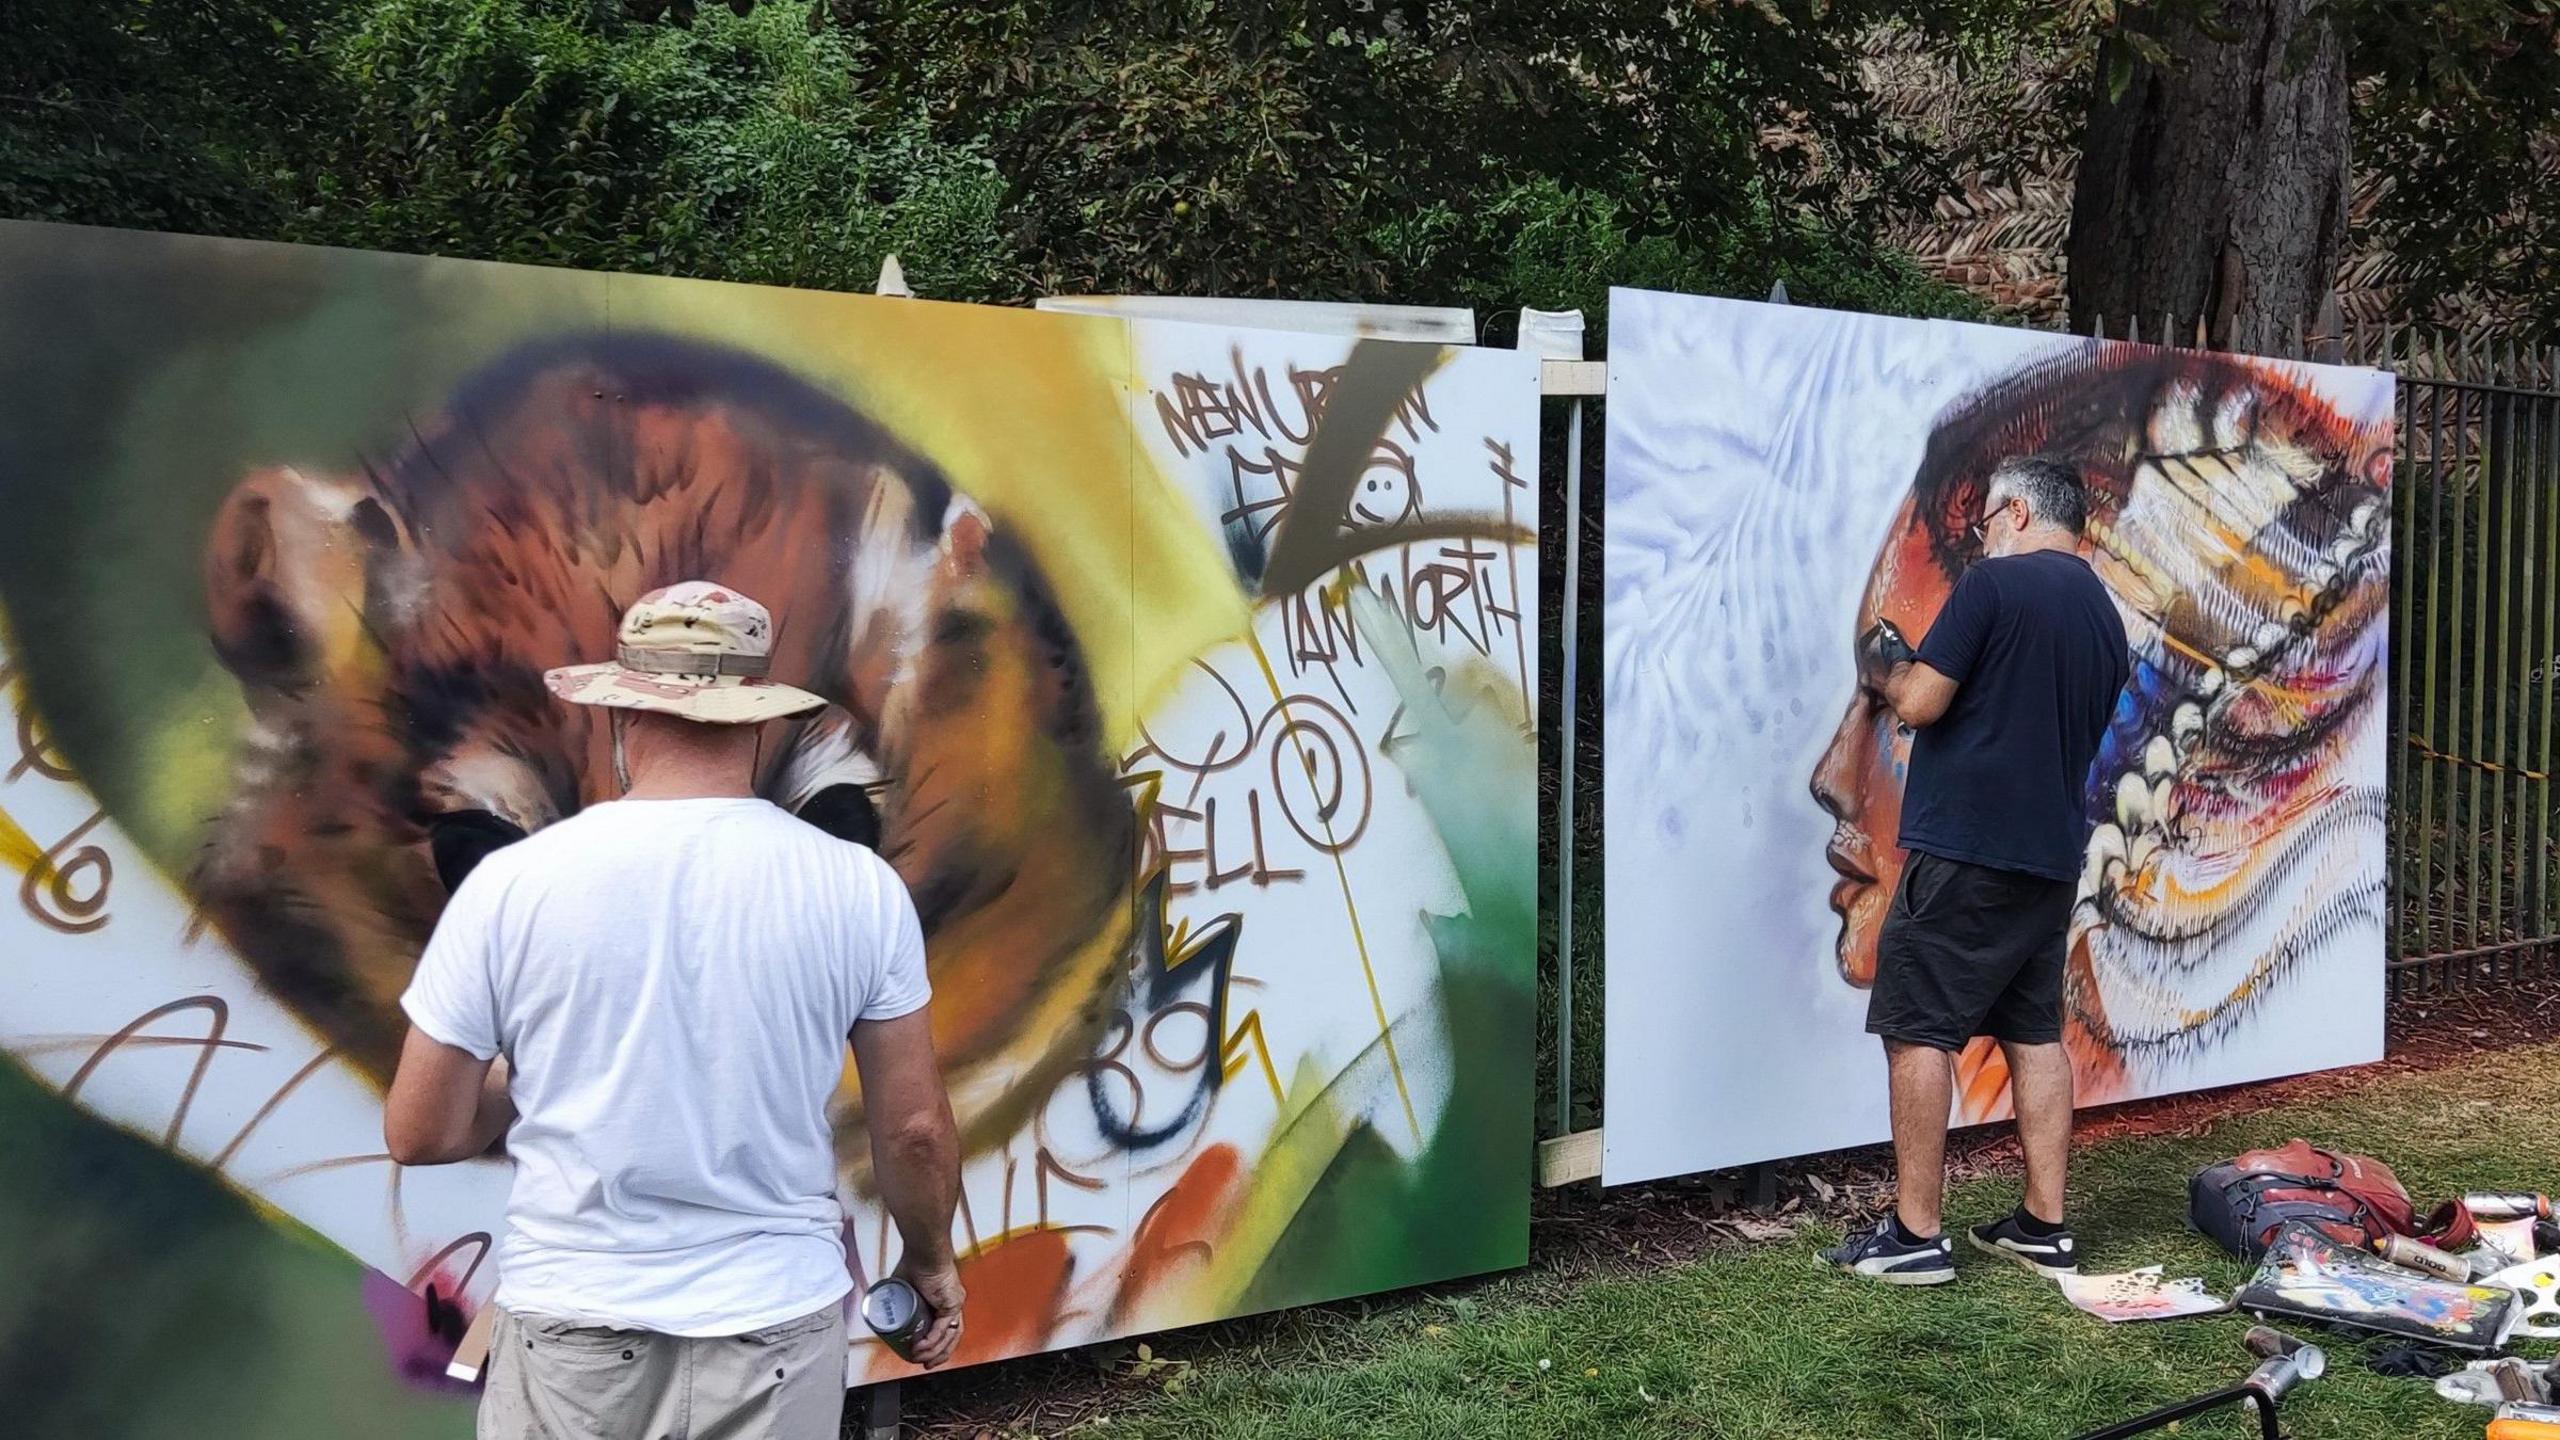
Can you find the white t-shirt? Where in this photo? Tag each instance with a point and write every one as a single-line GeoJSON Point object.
{"type": "Point", "coordinates": [673, 983]}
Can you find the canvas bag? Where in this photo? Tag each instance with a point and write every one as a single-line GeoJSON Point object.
{"type": "Point", "coordinates": [2353, 1199]}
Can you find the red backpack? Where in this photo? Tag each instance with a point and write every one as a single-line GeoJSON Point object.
{"type": "Point", "coordinates": [2353, 1199]}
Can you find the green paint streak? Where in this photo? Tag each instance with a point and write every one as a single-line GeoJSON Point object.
{"type": "Point", "coordinates": [141, 1298]}
{"type": "Point", "coordinates": [1462, 1205]}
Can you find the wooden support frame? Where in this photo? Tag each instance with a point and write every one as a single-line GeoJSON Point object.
{"type": "Point", "coordinates": [1575, 377]}
{"type": "Point", "coordinates": [1568, 1159]}
{"type": "Point", "coordinates": [472, 1355]}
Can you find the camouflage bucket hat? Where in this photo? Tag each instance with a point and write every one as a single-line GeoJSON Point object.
{"type": "Point", "coordinates": [697, 650]}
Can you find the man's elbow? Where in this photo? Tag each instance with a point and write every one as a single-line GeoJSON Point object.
{"type": "Point", "coordinates": [408, 1145]}
{"type": "Point", "coordinates": [1919, 699]}
{"type": "Point", "coordinates": [923, 1142]}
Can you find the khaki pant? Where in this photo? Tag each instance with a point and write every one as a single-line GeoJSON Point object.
{"type": "Point", "coordinates": [559, 1380]}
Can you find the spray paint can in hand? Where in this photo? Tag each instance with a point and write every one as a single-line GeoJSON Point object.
{"type": "Point", "coordinates": [898, 1315]}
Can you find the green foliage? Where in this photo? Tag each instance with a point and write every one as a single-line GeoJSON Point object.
{"type": "Point", "coordinates": [1351, 149]}
{"type": "Point", "coordinates": [161, 114]}
{"type": "Point", "coordinates": [1336, 149]}
{"type": "Point", "coordinates": [1555, 246]}
{"type": "Point", "coordinates": [738, 147]}
{"type": "Point", "coordinates": [1498, 152]}
{"type": "Point", "coordinates": [2462, 105]}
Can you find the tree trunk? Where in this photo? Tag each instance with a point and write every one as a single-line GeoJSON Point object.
{"type": "Point", "coordinates": [2215, 187]}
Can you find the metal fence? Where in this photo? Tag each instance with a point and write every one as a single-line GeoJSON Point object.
{"type": "Point", "coordinates": [2476, 639]}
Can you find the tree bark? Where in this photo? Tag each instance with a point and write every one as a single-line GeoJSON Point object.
{"type": "Point", "coordinates": [2215, 187]}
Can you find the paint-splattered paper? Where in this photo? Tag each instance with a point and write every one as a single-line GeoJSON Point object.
{"type": "Point", "coordinates": [2144, 1294]}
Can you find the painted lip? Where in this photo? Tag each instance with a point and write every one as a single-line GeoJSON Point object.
{"type": "Point", "coordinates": [1854, 877]}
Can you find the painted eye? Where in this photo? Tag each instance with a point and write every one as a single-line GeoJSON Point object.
{"type": "Point", "coordinates": [463, 839]}
{"type": "Point", "coordinates": [846, 812]}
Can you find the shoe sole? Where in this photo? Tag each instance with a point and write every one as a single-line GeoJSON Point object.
{"type": "Point", "coordinates": [2029, 1262]}
{"type": "Point", "coordinates": [1937, 1276]}
{"type": "Point", "coordinates": [1910, 1277]}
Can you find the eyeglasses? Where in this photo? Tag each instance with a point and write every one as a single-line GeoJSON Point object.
{"type": "Point", "coordinates": [1984, 524]}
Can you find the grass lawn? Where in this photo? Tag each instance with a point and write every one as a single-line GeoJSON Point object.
{"type": "Point", "coordinates": [1757, 1339]}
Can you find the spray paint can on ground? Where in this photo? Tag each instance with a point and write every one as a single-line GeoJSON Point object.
{"type": "Point", "coordinates": [2507, 1205]}
{"type": "Point", "coordinates": [898, 1315]}
{"type": "Point", "coordinates": [2419, 1255]}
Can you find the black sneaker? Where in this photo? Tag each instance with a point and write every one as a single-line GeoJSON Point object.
{"type": "Point", "coordinates": [1880, 1254]}
{"type": "Point", "coordinates": [2051, 1256]}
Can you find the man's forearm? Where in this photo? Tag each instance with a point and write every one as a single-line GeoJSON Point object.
{"type": "Point", "coordinates": [919, 1171]}
{"type": "Point", "coordinates": [1918, 694]}
{"type": "Point", "coordinates": [445, 1105]}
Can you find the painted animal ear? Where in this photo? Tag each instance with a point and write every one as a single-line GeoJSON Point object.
{"type": "Point", "coordinates": [846, 812]}
{"type": "Point", "coordinates": [965, 529]}
{"type": "Point", "coordinates": [289, 569]}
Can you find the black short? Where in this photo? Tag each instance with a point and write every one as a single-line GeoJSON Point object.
{"type": "Point", "coordinates": [1968, 950]}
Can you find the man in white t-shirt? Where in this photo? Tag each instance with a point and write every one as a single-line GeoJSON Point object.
{"type": "Point", "coordinates": [672, 979]}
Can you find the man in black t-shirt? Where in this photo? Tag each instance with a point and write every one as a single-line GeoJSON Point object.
{"type": "Point", "coordinates": [2010, 694]}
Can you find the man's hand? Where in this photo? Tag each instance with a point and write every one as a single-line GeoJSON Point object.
{"type": "Point", "coordinates": [939, 1287]}
{"type": "Point", "coordinates": [1917, 694]}
{"type": "Point", "coordinates": [1881, 652]}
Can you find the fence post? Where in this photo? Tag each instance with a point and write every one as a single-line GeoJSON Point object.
{"type": "Point", "coordinates": [1563, 372]}
{"type": "Point", "coordinates": [1570, 747]}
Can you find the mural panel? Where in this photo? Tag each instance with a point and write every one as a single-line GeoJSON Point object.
{"type": "Point", "coordinates": [1182, 672]}
{"type": "Point", "coordinates": [1780, 478]}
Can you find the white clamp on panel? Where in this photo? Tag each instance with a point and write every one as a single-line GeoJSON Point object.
{"type": "Point", "coordinates": [1556, 335]}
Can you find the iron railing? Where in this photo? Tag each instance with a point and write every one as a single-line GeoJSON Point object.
{"type": "Point", "coordinates": [2476, 639]}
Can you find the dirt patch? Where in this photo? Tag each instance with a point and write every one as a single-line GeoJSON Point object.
{"type": "Point", "coordinates": [1585, 1232]}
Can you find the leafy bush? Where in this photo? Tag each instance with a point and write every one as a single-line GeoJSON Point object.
{"type": "Point", "coordinates": [1500, 153]}
{"type": "Point", "coordinates": [744, 148]}
{"type": "Point", "coordinates": [1356, 149]}
{"type": "Point", "coordinates": [162, 114]}
{"type": "Point", "coordinates": [1555, 247]}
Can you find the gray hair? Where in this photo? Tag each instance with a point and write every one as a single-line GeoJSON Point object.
{"type": "Point", "coordinates": [2051, 488]}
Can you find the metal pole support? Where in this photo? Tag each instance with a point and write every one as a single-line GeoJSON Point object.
{"type": "Point", "coordinates": [1569, 743]}
{"type": "Point", "coordinates": [879, 1404]}
{"type": "Point", "coordinates": [1760, 1187]}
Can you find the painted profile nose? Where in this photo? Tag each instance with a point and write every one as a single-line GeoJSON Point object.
{"type": "Point", "coordinates": [1833, 783]}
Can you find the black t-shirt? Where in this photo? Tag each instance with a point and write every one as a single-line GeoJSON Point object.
{"type": "Point", "coordinates": [2038, 656]}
